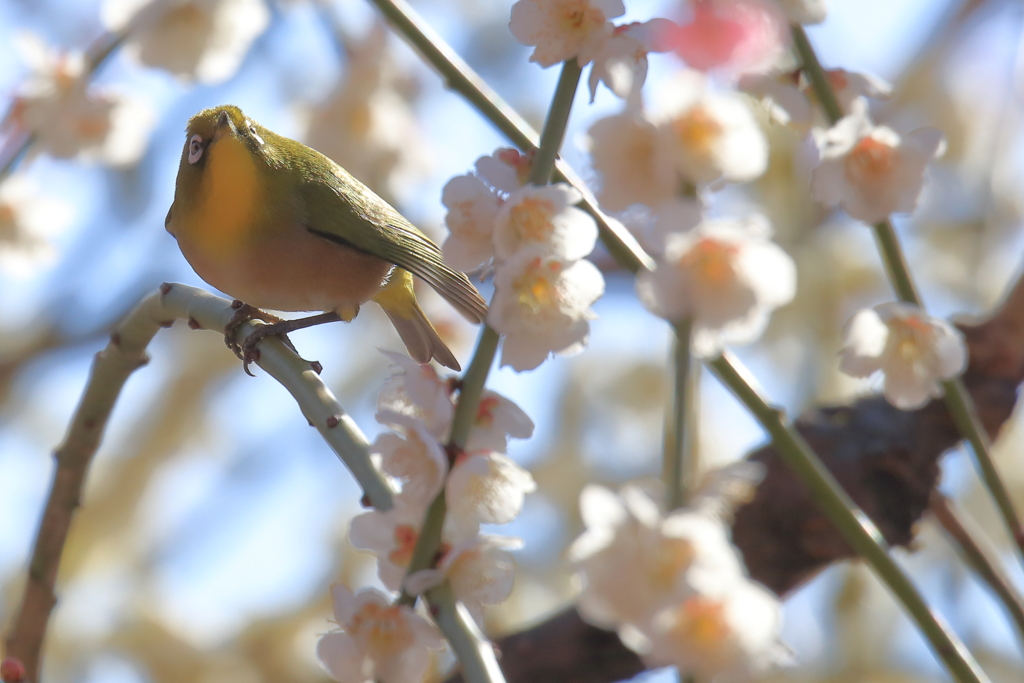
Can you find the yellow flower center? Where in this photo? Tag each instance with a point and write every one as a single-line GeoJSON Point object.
{"type": "Point", "coordinates": [536, 289]}
{"type": "Point", "coordinates": [697, 131]}
{"type": "Point", "coordinates": [405, 541]}
{"type": "Point", "coordinates": [711, 261]}
{"type": "Point", "coordinates": [912, 337]}
{"type": "Point", "coordinates": [579, 16]}
{"type": "Point", "coordinates": [701, 621]}
{"type": "Point", "coordinates": [870, 161]}
{"type": "Point", "coordinates": [531, 219]}
{"type": "Point", "coordinates": [382, 628]}
{"type": "Point", "coordinates": [673, 556]}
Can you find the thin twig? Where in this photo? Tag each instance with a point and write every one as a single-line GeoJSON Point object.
{"type": "Point", "coordinates": [680, 467]}
{"type": "Point", "coordinates": [979, 554]}
{"type": "Point", "coordinates": [958, 401]}
{"type": "Point", "coordinates": [125, 353]}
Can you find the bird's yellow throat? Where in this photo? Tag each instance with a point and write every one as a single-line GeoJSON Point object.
{"type": "Point", "coordinates": [224, 217]}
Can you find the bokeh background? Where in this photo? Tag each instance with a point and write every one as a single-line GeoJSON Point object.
{"type": "Point", "coordinates": [215, 518]}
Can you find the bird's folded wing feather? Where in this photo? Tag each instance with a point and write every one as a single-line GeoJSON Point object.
{"type": "Point", "coordinates": [344, 211]}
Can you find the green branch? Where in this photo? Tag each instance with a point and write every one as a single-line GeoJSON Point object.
{"type": "Point", "coordinates": [680, 466]}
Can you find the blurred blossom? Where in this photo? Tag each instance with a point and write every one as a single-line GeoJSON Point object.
{"type": "Point", "coordinates": [634, 561]}
{"type": "Point", "coordinates": [204, 40]}
{"type": "Point", "coordinates": [544, 218]}
{"type": "Point", "coordinates": [697, 136]}
{"type": "Point", "coordinates": [497, 419]}
{"type": "Point", "coordinates": [485, 487]}
{"type": "Point", "coordinates": [542, 306]}
{"type": "Point", "coordinates": [376, 641]}
{"type": "Point", "coordinates": [804, 11]}
{"type": "Point", "coordinates": [28, 220]}
{"type": "Point", "coordinates": [731, 36]}
{"type": "Point", "coordinates": [709, 135]}
{"type": "Point", "coordinates": [480, 571]}
{"type": "Point", "coordinates": [730, 637]}
{"type": "Point", "coordinates": [391, 535]}
{"type": "Point", "coordinates": [68, 118]}
{"type": "Point", "coordinates": [673, 585]}
{"type": "Point", "coordinates": [913, 350]}
{"type": "Point", "coordinates": [416, 459]}
{"type": "Point", "coordinates": [415, 398]}
{"type": "Point", "coordinates": [474, 202]}
{"type": "Point", "coordinates": [629, 157]}
{"type": "Point", "coordinates": [678, 215]}
{"type": "Point", "coordinates": [788, 95]}
{"type": "Point", "coordinates": [415, 391]}
{"type": "Point", "coordinates": [726, 276]}
{"type": "Point", "coordinates": [871, 171]}
{"type": "Point", "coordinates": [367, 123]}
{"type": "Point", "coordinates": [622, 62]}
{"type": "Point", "coordinates": [563, 29]}
{"type": "Point", "coordinates": [472, 209]}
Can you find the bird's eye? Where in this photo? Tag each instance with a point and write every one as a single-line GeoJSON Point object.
{"type": "Point", "coordinates": [195, 149]}
{"type": "Point", "coordinates": [255, 135]}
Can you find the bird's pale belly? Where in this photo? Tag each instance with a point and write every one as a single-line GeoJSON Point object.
{"type": "Point", "coordinates": [294, 271]}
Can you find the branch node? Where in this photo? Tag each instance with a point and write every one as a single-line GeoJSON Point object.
{"type": "Point", "coordinates": [193, 324]}
{"type": "Point", "coordinates": [165, 288]}
{"type": "Point", "coordinates": [333, 421]}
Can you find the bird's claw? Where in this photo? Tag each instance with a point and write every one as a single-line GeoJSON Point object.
{"type": "Point", "coordinates": [247, 351]}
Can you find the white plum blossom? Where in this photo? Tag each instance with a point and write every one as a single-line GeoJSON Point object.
{"type": "Point", "coordinates": [635, 168]}
{"type": "Point", "coordinates": [480, 571]}
{"type": "Point", "coordinates": [376, 640]}
{"type": "Point", "coordinates": [472, 210]}
{"type": "Point", "coordinates": [497, 419]}
{"type": "Point", "coordinates": [544, 217]}
{"type": "Point", "coordinates": [542, 306]}
{"type": "Point", "coordinates": [415, 392]}
{"type": "Point", "coordinates": [804, 11]}
{"type": "Point", "coordinates": [872, 171]}
{"type": "Point", "coordinates": [417, 396]}
{"type": "Point", "coordinates": [673, 585]}
{"type": "Point", "coordinates": [474, 202]}
{"type": "Point", "coordinates": [29, 219]}
{"type": "Point", "coordinates": [391, 535]}
{"type": "Point", "coordinates": [367, 122]}
{"type": "Point", "coordinates": [913, 350]}
{"type": "Point", "coordinates": [66, 117]}
{"type": "Point", "coordinates": [786, 95]}
{"type": "Point", "coordinates": [729, 637]}
{"type": "Point", "coordinates": [205, 40]}
{"type": "Point", "coordinates": [709, 135]}
{"type": "Point", "coordinates": [634, 561]}
{"type": "Point", "coordinates": [505, 171]}
{"type": "Point", "coordinates": [485, 487]}
{"type": "Point", "coordinates": [416, 459]}
{"type": "Point", "coordinates": [563, 29]}
{"type": "Point", "coordinates": [725, 276]}
{"type": "Point", "coordinates": [622, 63]}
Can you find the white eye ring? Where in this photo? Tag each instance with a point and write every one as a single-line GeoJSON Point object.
{"type": "Point", "coordinates": [195, 149]}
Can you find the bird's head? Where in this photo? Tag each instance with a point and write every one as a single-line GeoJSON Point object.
{"type": "Point", "coordinates": [209, 127]}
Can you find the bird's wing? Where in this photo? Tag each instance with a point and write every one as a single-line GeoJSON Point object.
{"type": "Point", "coordinates": [343, 210]}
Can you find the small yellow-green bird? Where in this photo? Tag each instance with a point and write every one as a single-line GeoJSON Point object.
{"type": "Point", "coordinates": [278, 225]}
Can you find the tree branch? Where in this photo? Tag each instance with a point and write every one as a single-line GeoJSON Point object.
{"type": "Point", "coordinates": [125, 353]}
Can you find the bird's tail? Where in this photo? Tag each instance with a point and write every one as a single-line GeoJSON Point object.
{"type": "Point", "coordinates": [398, 299]}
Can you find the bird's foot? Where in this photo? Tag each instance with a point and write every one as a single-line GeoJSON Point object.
{"type": "Point", "coordinates": [277, 327]}
{"type": "Point", "coordinates": [247, 351]}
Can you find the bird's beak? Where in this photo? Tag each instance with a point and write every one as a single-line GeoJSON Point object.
{"type": "Point", "coordinates": [224, 126]}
